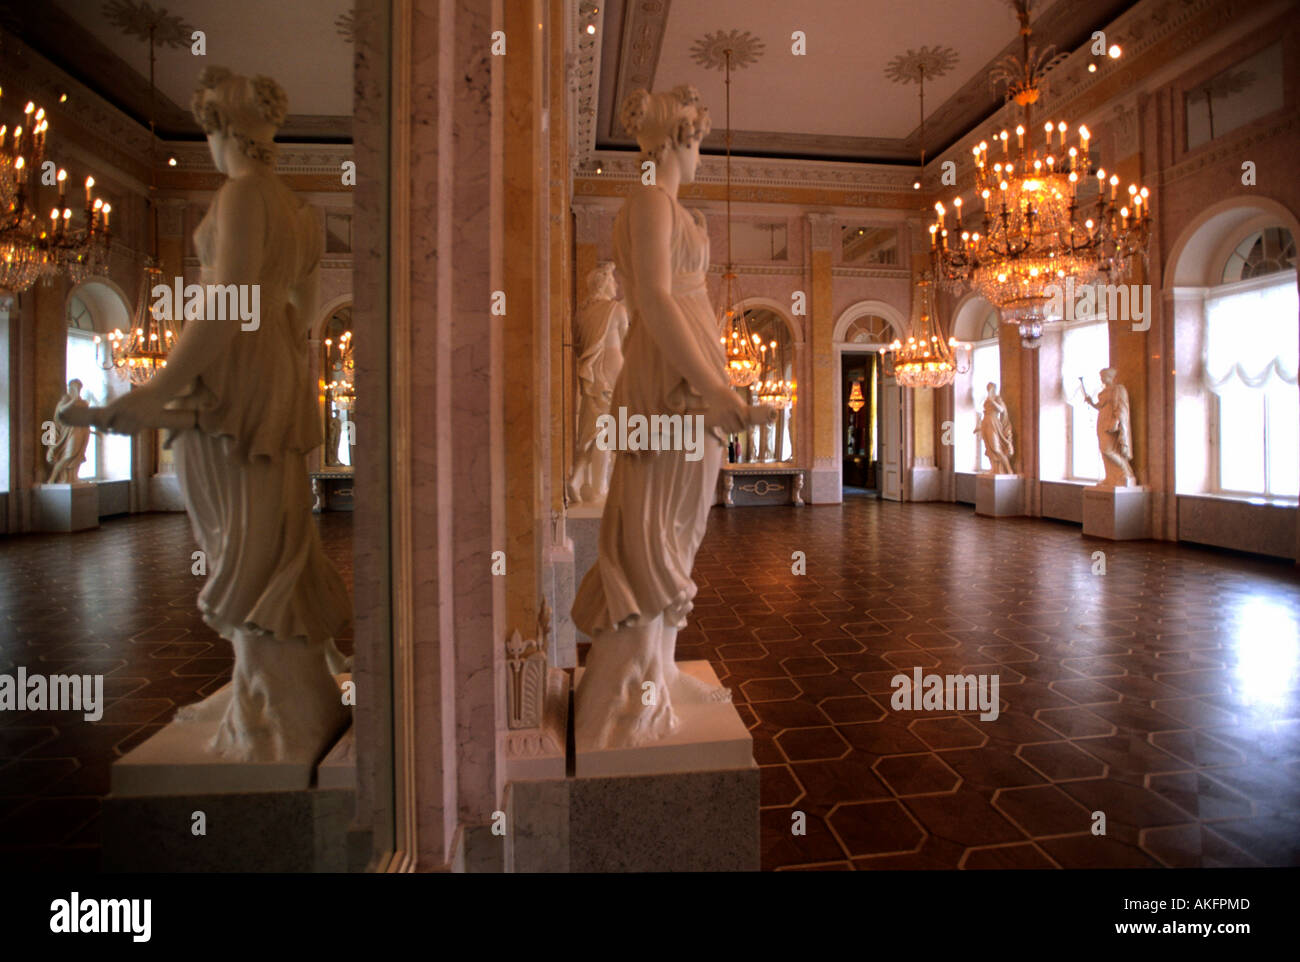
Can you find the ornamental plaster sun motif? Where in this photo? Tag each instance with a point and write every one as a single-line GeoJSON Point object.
{"type": "Point", "coordinates": [710, 51]}
{"type": "Point", "coordinates": [140, 19]}
{"type": "Point", "coordinates": [926, 63]}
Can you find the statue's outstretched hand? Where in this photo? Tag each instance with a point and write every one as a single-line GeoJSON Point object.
{"type": "Point", "coordinates": [131, 413]}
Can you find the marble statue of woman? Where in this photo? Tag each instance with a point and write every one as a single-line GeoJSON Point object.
{"type": "Point", "coordinates": [241, 409]}
{"type": "Point", "coordinates": [600, 328]}
{"type": "Point", "coordinates": [68, 452]}
{"type": "Point", "coordinates": [995, 432]}
{"type": "Point", "coordinates": [1114, 431]}
{"type": "Point", "coordinates": [636, 597]}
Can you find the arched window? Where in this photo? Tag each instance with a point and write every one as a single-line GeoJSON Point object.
{"type": "Point", "coordinates": [869, 329]}
{"type": "Point", "coordinates": [1085, 353]}
{"type": "Point", "coordinates": [1250, 364]}
{"type": "Point", "coordinates": [969, 391]}
{"type": "Point", "coordinates": [108, 457]}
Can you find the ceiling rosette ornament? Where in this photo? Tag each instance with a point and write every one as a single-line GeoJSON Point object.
{"type": "Point", "coordinates": [710, 51]}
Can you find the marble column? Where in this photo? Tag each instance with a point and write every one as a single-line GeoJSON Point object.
{"type": "Point", "coordinates": [823, 476]}
{"type": "Point", "coordinates": [430, 616]}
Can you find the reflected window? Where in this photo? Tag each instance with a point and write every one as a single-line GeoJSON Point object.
{"type": "Point", "coordinates": [863, 245]}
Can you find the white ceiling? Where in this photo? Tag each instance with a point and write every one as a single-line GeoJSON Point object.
{"type": "Point", "coordinates": [835, 101]}
{"type": "Point", "coordinates": [297, 43]}
{"type": "Point", "coordinates": [847, 53]}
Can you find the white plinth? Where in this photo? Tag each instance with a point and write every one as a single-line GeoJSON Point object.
{"type": "Point", "coordinates": [176, 761]}
{"type": "Point", "coordinates": [66, 507]}
{"type": "Point", "coordinates": [1120, 514]}
{"type": "Point", "coordinates": [999, 495]}
{"type": "Point", "coordinates": [338, 769]}
{"type": "Point", "coordinates": [708, 738]}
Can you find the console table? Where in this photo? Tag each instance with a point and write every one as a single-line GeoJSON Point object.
{"type": "Point", "coordinates": [749, 485]}
{"type": "Point", "coordinates": [332, 490]}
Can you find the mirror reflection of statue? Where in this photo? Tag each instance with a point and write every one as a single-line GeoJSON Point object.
{"type": "Point", "coordinates": [68, 452]}
{"type": "Point", "coordinates": [599, 329]}
{"type": "Point", "coordinates": [994, 429]}
{"type": "Point", "coordinates": [241, 411]}
{"type": "Point", "coordinates": [1114, 431]}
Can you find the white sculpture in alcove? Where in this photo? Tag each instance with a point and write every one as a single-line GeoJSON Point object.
{"type": "Point", "coordinates": [994, 429]}
{"type": "Point", "coordinates": [1114, 431]}
{"type": "Point", "coordinates": [68, 452]}
{"type": "Point", "coordinates": [600, 328]}
{"type": "Point", "coordinates": [241, 410]}
{"type": "Point", "coordinates": [636, 597]}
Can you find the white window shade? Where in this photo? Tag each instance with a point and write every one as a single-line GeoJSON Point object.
{"type": "Point", "coordinates": [1250, 336]}
{"type": "Point", "coordinates": [1085, 352]}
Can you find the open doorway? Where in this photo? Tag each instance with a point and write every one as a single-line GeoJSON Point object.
{"type": "Point", "coordinates": [860, 439]}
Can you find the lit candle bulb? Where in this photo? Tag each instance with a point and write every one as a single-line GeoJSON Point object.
{"type": "Point", "coordinates": [1004, 145]}
{"type": "Point", "coordinates": [957, 203]}
{"type": "Point", "coordinates": [90, 182]}
{"type": "Point", "coordinates": [62, 179]}
{"type": "Point", "coordinates": [107, 209]}
{"type": "Point", "coordinates": [1061, 129]}
{"type": "Point", "coordinates": [1114, 185]}
{"type": "Point", "coordinates": [1020, 137]}
{"type": "Point", "coordinates": [1047, 127]}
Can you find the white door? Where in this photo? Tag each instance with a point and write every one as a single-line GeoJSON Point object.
{"type": "Point", "coordinates": [891, 441]}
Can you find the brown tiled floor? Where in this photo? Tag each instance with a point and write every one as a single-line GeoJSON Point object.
{"type": "Point", "coordinates": [1165, 693]}
{"type": "Point", "coordinates": [118, 601]}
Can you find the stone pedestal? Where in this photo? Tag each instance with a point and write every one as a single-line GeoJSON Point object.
{"type": "Point", "coordinates": [927, 483]}
{"type": "Point", "coordinates": [167, 813]}
{"type": "Point", "coordinates": [66, 507]}
{"type": "Point", "coordinates": [999, 495]}
{"type": "Point", "coordinates": [701, 816]}
{"type": "Point", "coordinates": [1120, 514]}
{"type": "Point", "coordinates": [744, 485]}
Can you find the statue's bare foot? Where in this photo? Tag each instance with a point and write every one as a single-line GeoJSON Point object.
{"type": "Point", "coordinates": [686, 689]}
{"type": "Point", "coordinates": [211, 709]}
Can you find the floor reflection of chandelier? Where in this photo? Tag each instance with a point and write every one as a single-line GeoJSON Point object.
{"type": "Point", "coordinates": [926, 359]}
{"type": "Point", "coordinates": [138, 354]}
{"type": "Point", "coordinates": [33, 246]}
{"type": "Point", "coordinates": [341, 363]}
{"type": "Point", "coordinates": [1039, 225]}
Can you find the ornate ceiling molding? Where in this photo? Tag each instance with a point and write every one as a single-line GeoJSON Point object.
{"type": "Point", "coordinates": [623, 166]}
{"type": "Point", "coordinates": [582, 74]}
{"type": "Point", "coordinates": [324, 159]}
{"type": "Point", "coordinates": [643, 34]}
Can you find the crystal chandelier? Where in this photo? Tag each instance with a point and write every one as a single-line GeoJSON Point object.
{"type": "Point", "coordinates": [31, 248]}
{"type": "Point", "coordinates": [856, 401]}
{"type": "Point", "coordinates": [773, 389]}
{"type": "Point", "coordinates": [340, 362]}
{"type": "Point", "coordinates": [1038, 225]}
{"type": "Point", "coordinates": [926, 360]}
{"type": "Point", "coordinates": [139, 353]}
{"type": "Point", "coordinates": [744, 359]}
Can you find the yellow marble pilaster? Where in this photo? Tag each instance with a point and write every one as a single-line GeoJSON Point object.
{"type": "Point", "coordinates": [561, 266]}
{"type": "Point", "coordinates": [822, 318]}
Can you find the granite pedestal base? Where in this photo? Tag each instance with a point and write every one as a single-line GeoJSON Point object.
{"type": "Point", "coordinates": [999, 495]}
{"type": "Point", "coordinates": [66, 507]}
{"type": "Point", "coordinates": [295, 830]}
{"type": "Point", "coordinates": [1120, 514]}
{"type": "Point", "coordinates": [659, 820]}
